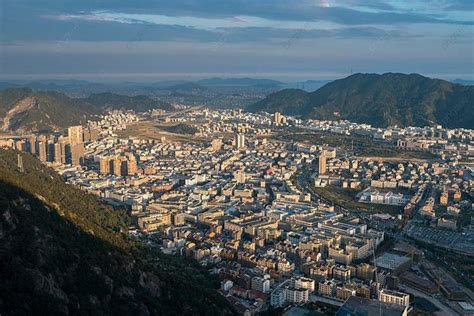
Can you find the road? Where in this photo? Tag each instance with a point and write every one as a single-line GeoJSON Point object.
{"type": "Point", "coordinates": [446, 309]}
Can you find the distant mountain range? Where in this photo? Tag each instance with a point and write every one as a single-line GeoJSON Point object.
{"type": "Point", "coordinates": [73, 86]}
{"type": "Point", "coordinates": [25, 110]}
{"type": "Point", "coordinates": [233, 82]}
{"type": "Point", "coordinates": [380, 100]}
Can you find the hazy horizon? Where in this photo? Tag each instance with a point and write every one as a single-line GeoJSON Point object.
{"type": "Point", "coordinates": [157, 78]}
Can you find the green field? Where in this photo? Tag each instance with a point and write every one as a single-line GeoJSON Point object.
{"type": "Point", "coordinates": [153, 130]}
{"type": "Point", "coordinates": [362, 146]}
{"type": "Point", "coordinates": [347, 199]}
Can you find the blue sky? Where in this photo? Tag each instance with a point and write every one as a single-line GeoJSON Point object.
{"type": "Point", "coordinates": [281, 39]}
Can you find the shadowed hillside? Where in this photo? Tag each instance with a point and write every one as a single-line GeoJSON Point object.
{"type": "Point", "coordinates": [62, 252]}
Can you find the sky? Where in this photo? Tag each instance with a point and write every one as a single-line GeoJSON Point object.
{"type": "Point", "coordinates": [152, 40]}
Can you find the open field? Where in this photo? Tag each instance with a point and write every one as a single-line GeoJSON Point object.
{"type": "Point", "coordinates": [347, 199]}
{"type": "Point", "coordinates": [156, 130]}
{"type": "Point", "coordinates": [358, 145]}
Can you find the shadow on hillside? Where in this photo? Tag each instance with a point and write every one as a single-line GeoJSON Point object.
{"type": "Point", "coordinates": [49, 265]}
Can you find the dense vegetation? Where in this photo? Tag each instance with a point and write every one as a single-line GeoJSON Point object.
{"type": "Point", "coordinates": [48, 110]}
{"type": "Point", "coordinates": [62, 252]}
{"type": "Point", "coordinates": [381, 100]}
{"type": "Point", "coordinates": [180, 129]}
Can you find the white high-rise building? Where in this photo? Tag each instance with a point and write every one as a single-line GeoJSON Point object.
{"type": "Point", "coordinates": [239, 140]}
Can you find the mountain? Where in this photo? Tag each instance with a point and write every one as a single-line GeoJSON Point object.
{"type": "Point", "coordinates": [235, 82]}
{"type": "Point", "coordinates": [464, 82]}
{"type": "Point", "coordinates": [307, 85]}
{"type": "Point", "coordinates": [25, 110]}
{"type": "Point", "coordinates": [63, 252]}
{"type": "Point", "coordinates": [22, 109]}
{"type": "Point", "coordinates": [185, 86]}
{"type": "Point", "coordinates": [380, 100]}
{"type": "Point", "coordinates": [139, 103]}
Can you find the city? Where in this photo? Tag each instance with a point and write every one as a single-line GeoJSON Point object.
{"type": "Point", "coordinates": [232, 190]}
{"type": "Point", "coordinates": [237, 157]}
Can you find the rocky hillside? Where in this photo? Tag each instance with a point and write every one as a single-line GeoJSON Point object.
{"type": "Point", "coordinates": [380, 100]}
{"type": "Point", "coordinates": [62, 252]}
{"type": "Point", "coordinates": [25, 110]}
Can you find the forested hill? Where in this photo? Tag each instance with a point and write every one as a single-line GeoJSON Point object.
{"type": "Point", "coordinates": [62, 252]}
{"type": "Point", "coordinates": [380, 100]}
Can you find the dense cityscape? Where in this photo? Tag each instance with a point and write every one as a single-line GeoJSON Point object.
{"type": "Point", "coordinates": [237, 157]}
{"type": "Point", "coordinates": [234, 191]}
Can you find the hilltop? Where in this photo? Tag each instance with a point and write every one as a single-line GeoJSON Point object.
{"type": "Point", "coordinates": [26, 110]}
{"type": "Point", "coordinates": [380, 100]}
{"type": "Point", "coordinates": [63, 252]}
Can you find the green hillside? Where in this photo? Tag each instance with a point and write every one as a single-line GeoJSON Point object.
{"type": "Point", "coordinates": [62, 252]}
{"type": "Point", "coordinates": [380, 100]}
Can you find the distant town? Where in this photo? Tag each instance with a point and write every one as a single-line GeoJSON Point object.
{"type": "Point", "coordinates": [287, 212]}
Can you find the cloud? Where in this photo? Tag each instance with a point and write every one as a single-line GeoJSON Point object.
{"type": "Point", "coordinates": [344, 12]}
{"type": "Point", "coordinates": [216, 36]}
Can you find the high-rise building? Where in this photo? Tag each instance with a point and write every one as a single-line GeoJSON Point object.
{"type": "Point", "coordinates": [131, 165]}
{"type": "Point", "coordinates": [59, 154]}
{"type": "Point", "coordinates": [117, 166]}
{"type": "Point", "coordinates": [239, 140]}
{"type": "Point", "coordinates": [50, 150]}
{"type": "Point", "coordinates": [104, 165]}
{"type": "Point", "coordinates": [90, 134]}
{"type": "Point", "coordinates": [42, 151]}
{"type": "Point", "coordinates": [65, 150]}
{"type": "Point", "coordinates": [322, 163]}
{"type": "Point", "coordinates": [32, 144]}
{"type": "Point", "coordinates": [77, 154]}
{"type": "Point", "coordinates": [277, 118]}
{"type": "Point", "coordinates": [75, 134]}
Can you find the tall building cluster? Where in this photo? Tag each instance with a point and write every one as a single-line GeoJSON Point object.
{"type": "Point", "coordinates": [118, 165]}
{"type": "Point", "coordinates": [59, 149]}
{"type": "Point", "coordinates": [279, 119]}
